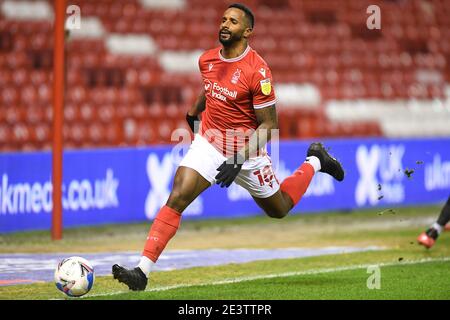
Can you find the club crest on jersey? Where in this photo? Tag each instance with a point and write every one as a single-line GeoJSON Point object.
{"type": "Point", "coordinates": [236, 76]}
{"type": "Point", "coordinates": [266, 86]}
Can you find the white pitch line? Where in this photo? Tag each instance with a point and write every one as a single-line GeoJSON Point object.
{"type": "Point", "coordinates": [279, 275]}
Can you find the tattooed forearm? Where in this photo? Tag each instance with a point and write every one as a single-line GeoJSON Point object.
{"type": "Point", "coordinates": [267, 116]}
{"type": "Point", "coordinates": [267, 121]}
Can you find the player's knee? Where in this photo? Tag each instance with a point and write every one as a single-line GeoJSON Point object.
{"type": "Point", "coordinates": [178, 200]}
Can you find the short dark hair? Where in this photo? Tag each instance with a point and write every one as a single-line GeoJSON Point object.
{"type": "Point", "coordinates": [248, 12]}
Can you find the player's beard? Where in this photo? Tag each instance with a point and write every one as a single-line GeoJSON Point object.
{"type": "Point", "coordinates": [233, 38]}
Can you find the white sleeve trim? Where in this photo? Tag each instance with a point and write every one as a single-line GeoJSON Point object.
{"type": "Point", "coordinates": [263, 105]}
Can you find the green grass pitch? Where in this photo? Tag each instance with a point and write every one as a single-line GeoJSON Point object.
{"type": "Point", "coordinates": [406, 270]}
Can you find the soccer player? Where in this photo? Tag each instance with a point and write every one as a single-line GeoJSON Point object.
{"type": "Point", "coordinates": [429, 237]}
{"type": "Point", "coordinates": [238, 97]}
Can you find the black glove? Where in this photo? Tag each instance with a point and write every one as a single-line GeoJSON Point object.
{"type": "Point", "coordinates": [191, 121]}
{"type": "Point", "coordinates": [228, 170]}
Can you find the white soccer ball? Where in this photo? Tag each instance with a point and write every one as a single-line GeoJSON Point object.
{"type": "Point", "coordinates": [74, 276]}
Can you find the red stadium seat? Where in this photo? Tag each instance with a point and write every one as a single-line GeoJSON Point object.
{"type": "Point", "coordinates": [96, 133]}
{"type": "Point", "coordinates": [10, 96]}
{"type": "Point", "coordinates": [77, 133]}
{"type": "Point", "coordinates": [304, 41]}
{"type": "Point", "coordinates": [165, 129]}
{"type": "Point", "coordinates": [87, 113]}
{"type": "Point", "coordinates": [106, 113]}
{"type": "Point", "coordinates": [34, 114]}
{"type": "Point", "coordinates": [129, 131]}
{"type": "Point", "coordinates": [146, 133]}
{"type": "Point", "coordinates": [41, 133]}
{"type": "Point", "coordinates": [20, 133]}
{"type": "Point", "coordinates": [5, 134]}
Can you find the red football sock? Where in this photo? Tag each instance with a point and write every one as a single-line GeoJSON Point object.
{"type": "Point", "coordinates": [163, 229]}
{"type": "Point", "coordinates": [296, 184]}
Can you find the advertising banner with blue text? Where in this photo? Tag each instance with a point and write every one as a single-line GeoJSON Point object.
{"type": "Point", "coordinates": [126, 185]}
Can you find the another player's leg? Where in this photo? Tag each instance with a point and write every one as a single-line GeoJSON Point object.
{"type": "Point", "coordinates": [188, 184]}
{"type": "Point", "coordinates": [294, 187]}
{"type": "Point", "coordinates": [429, 237]}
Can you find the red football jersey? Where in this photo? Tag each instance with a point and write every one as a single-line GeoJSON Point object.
{"type": "Point", "coordinates": [234, 88]}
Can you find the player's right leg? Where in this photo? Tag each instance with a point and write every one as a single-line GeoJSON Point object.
{"type": "Point", "coordinates": [429, 237]}
{"type": "Point", "coordinates": [188, 184]}
{"type": "Point", "coordinates": [195, 174]}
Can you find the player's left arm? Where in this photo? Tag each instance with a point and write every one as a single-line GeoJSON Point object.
{"type": "Point", "coordinates": [264, 107]}
{"type": "Point", "coordinates": [267, 121]}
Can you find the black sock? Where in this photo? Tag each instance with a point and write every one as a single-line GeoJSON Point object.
{"type": "Point", "coordinates": [444, 217]}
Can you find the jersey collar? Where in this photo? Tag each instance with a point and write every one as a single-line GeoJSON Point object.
{"type": "Point", "coordinates": [237, 58]}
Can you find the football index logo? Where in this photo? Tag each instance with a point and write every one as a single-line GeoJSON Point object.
{"type": "Point", "coordinates": [218, 92]}
{"type": "Point", "coordinates": [208, 86]}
